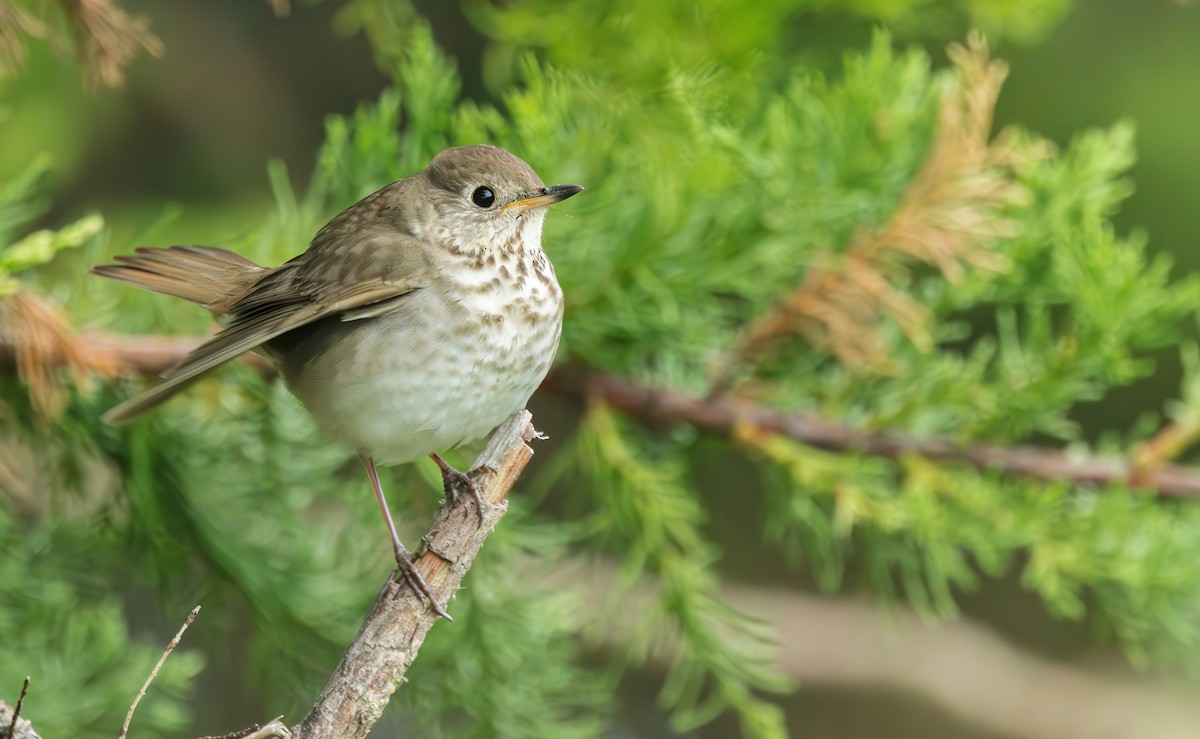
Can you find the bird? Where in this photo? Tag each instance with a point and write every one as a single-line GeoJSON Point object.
{"type": "Point", "coordinates": [416, 321]}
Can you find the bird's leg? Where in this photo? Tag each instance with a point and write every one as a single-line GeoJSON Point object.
{"type": "Point", "coordinates": [403, 557]}
{"type": "Point", "coordinates": [457, 484]}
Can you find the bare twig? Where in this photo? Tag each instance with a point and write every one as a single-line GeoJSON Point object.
{"type": "Point", "coordinates": [375, 663]}
{"type": "Point", "coordinates": [154, 673]}
{"type": "Point", "coordinates": [12, 725]}
{"type": "Point", "coordinates": [16, 727]}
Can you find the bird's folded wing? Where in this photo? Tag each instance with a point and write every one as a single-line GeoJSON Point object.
{"type": "Point", "coordinates": [265, 320]}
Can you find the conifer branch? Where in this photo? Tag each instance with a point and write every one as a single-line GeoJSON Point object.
{"type": "Point", "coordinates": [46, 345]}
{"type": "Point", "coordinates": [950, 217]}
{"type": "Point", "coordinates": [732, 417]}
{"type": "Point", "coordinates": [399, 619]}
{"type": "Point", "coordinates": [15, 25]}
{"type": "Point", "coordinates": [107, 39]}
{"type": "Point", "coordinates": [152, 355]}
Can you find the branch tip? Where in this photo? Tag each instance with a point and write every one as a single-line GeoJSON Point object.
{"type": "Point", "coordinates": [158, 666]}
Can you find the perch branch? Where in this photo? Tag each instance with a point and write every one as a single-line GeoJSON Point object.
{"type": "Point", "coordinates": [399, 619]}
{"type": "Point", "coordinates": [152, 355]}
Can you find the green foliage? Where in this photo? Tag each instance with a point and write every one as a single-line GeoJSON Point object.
{"type": "Point", "coordinates": [724, 170]}
{"type": "Point", "coordinates": [21, 201]}
{"type": "Point", "coordinates": [643, 508]}
{"type": "Point", "coordinates": [512, 660]}
{"type": "Point", "coordinates": [624, 41]}
{"type": "Point", "coordinates": [692, 201]}
{"type": "Point", "coordinates": [921, 530]}
{"type": "Point", "coordinates": [75, 634]}
{"type": "Point", "coordinates": [63, 621]}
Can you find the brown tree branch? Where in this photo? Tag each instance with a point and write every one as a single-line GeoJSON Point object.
{"type": "Point", "coordinates": [399, 619]}
{"type": "Point", "coordinates": [387, 643]}
{"type": "Point", "coordinates": [725, 416]}
{"type": "Point", "coordinates": [151, 355]}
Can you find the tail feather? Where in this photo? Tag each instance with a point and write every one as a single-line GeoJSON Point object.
{"type": "Point", "coordinates": [214, 278]}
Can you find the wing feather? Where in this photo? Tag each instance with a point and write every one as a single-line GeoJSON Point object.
{"type": "Point", "coordinates": [359, 266]}
{"type": "Point", "coordinates": [250, 330]}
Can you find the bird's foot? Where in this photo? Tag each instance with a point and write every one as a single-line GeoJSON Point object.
{"type": "Point", "coordinates": [413, 576]}
{"type": "Point", "coordinates": [404, 557]}
{"type": "Point", "coordinates": [460, 486]}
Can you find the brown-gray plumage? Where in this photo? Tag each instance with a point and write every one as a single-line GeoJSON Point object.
{"type": "Point", "coordinates": [417, 320]}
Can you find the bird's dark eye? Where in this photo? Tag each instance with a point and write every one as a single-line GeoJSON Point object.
{"type": "Point", "coordinates": [483, 197]}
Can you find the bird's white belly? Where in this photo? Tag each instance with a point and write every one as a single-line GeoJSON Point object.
{"type": "Point", "coordinates": [426, 378]}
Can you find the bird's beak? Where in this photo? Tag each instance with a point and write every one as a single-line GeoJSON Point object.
{"type": "Point", "coordinates": [548, 196]}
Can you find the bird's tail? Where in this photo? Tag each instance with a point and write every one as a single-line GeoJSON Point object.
{"type": "Point", "coordinates": [214, 278]}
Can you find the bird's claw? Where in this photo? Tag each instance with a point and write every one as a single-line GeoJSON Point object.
{"type": "Point", "coordinates": [459, 486]}
{"type": "Point", "coordinates": [413, 576]}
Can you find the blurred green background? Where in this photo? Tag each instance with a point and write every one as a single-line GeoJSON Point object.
{"type": "Point", "coordinates": [238, 87]}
